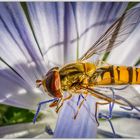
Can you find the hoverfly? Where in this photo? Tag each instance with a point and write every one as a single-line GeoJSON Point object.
{"type": "Point", "coordinates": [90, 78]}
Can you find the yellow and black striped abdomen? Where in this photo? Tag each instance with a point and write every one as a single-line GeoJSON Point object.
{"type": "Point", "coordinates": [118, 75]}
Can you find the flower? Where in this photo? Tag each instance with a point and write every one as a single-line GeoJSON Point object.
{"type": "Point", "coordinates": [39, 35]}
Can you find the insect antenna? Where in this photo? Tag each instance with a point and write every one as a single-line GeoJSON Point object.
{"type": "Point", "coordinates": [38, 83]}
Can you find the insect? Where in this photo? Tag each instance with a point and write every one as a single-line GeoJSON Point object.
{"type": "Point", "coordinates": [97, 79]}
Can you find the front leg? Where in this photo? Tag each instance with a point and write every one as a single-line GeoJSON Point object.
{"type": "Point", "coordinates": [63, 100]}
{"type": "Point", "coordinates": [55, 103]}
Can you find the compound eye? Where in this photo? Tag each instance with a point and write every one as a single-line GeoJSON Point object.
{"type": "Point", "coordinates": [53, 83]}
{"type": "Point", "coordinates": [49, 80]}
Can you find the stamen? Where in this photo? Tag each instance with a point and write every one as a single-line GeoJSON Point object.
{"type": "Point", "coordinates": [78, 99]}
{"type": "Point", "coordinates": [109, 117]}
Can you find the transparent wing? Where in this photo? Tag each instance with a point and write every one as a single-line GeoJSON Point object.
{"type": "Point", "coordinates": [116, 34]}
{"type": "Point", "coordinates": [128, 93]}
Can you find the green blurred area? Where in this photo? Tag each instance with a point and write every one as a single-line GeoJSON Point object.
{"type": "Point", "coordinates": [11, 115]}
{"type": "Point", "coordinates": [131, 4]}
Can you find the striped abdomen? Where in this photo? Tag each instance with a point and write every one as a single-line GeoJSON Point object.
{"type": "Point", "coordinates": [117, 75]}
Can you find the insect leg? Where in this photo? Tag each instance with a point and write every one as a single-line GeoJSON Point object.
{"type": "Point", "coordinates": [101, 96]}
{"type": "Point", "coordinates": [128, 103]}
{"type": "Point", "coordinates": [105, 98]}
{"type": "Point", "coordinates": [39, 106]}
{"type": "Point", "coordinates": [63, 100]}
{"type": "Point", "coordinates": [125, 100]}
{"type": "Point", "coordinates": [54, 103]}
{"type": "Point", "coordinates": [104, 116]}
{"type": "Point", "coordinates": [96, 108]}
{"type": "Point", "coordinates": [117, 97]}
{"type": "Point", "coordinates": [84, 99]}
{"type": "Point", "coordinates": [111, 105]}
{"type": "Point", "coordinates": [108, 118]}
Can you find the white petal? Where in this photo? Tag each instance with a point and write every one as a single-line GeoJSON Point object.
{"type": "Point", "coordinates": [20, 60]}
{"type": "Point", "coordinates": [84, 126]}
{"type": "Point", "coordinates": [47, 21]}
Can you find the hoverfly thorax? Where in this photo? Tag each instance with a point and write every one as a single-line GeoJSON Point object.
{"type": "Point", "coordinates": [51, 83]}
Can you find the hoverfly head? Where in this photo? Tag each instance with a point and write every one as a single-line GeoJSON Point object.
{"type": "Point", "coordinates": [51, 83]}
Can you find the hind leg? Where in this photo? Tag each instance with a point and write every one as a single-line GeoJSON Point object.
{"type": "Point", "coordinates": [96, 108]}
